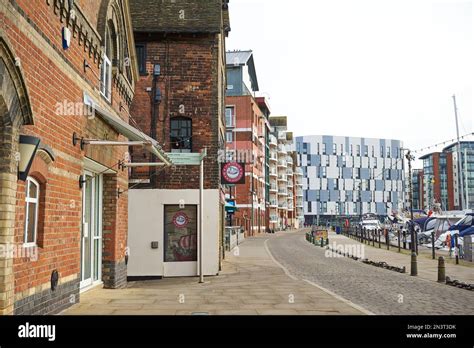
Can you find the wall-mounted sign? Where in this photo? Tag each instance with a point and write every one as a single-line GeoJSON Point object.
{"type": "Point", "coordinates": [180, 220]}
{"type": "Point", "coordinates": [233, 173]}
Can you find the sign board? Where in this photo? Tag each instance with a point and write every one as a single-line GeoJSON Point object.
{"type": "Point", "coordinates": [233, 173]}
{"type": "Point", "coordinates": [318, 234]}
{"type": "Point", "coordinates": [185, 159]}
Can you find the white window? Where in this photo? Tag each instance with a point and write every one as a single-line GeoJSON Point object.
{"type": "Point", "coordinates": [31, 210]}
{"type": "Point", "coordinates": [229, 136]}
{"type": "Point", "coordinates": [358, 150]}
{"type": "Point", "coordinates": [324, 148]}
{"type": "Point", "coordinates": [229, 116]}
{"type": "Point", "coordinates": [106, 73]}
{"type": "Point", "coordinates": [334, 149]}
{"type": "Point", "coordinates": [388, 152]}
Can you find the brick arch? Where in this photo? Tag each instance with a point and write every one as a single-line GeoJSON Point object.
{"type": "Point", "coordinates": [111, 16]}
{"type": "Point", "coordinates": [15, 111]}
{"type": "Point", "coordinates": [15, 108]}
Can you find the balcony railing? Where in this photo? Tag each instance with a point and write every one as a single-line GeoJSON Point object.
{"type": "Point", "coordinates": [282, 164]}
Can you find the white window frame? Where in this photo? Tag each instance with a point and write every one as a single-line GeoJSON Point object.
{"type": "Point", "coordinates": [106, 86]}
{"type": "Point", "coordinates": [230, 107]}
{"type": "Point", "coordinates": [227, 138]}
{"type": "Point", "coordinates": [28, 200]}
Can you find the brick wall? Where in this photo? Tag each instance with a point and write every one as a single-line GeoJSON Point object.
{"type": "Point", "coordinates": [189, 88]}
{"type": "Point", "coordinates": [53, 75]}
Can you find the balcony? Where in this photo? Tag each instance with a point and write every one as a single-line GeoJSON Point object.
{"type": "Point", "coordinates": [282, 192]}
{"type": "Point", "coordinates": [273, 188]}
{"type": "Point", "coordinates": [273, 204]}
{"type": "Point", "coordinates": [299, 172]}
{"type": "Point", "coordinates": [290, 184]}
{"type": "Point", "coordinates": [273, 173]}
{"type": "Point", "coordinates": [274, 219]}
{"type": "Point", "coordinates": [281, 150]}
{"type": "Point", "coordinates": [289, 160]}
{"type": "Point", "coordinates": [282, 178]}
{"type": "Point", "coordinates": [273, 158]}
{"type": "Point", "coordinates": [282, 164]}
{"type": "Point", "coordinates": [273, 141]}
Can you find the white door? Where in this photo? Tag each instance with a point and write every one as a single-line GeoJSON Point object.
{"type": "Point", "coordinates": [91, 236]}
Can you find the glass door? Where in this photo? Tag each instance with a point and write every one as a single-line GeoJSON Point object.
{"type": "Point", "coordinates": [91, 235]}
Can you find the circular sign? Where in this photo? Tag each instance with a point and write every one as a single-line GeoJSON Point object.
{"type": "Point", "coordinates": [233, 172]}
{"type": "Point", "coordinates": [180, 220]}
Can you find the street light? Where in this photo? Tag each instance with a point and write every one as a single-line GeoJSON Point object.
{"type": "Point", "coordinates": [28, 147]}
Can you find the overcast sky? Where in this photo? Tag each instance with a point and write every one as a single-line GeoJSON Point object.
{"type": "Point", "coordinates": [371, 68]}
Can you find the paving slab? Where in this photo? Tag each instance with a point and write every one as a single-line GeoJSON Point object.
{"type": "Point", "coordinates": [250, 283]}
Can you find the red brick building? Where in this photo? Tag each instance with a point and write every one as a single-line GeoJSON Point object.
{"type": "Point", "coordinates": [246, 133]}
{"type": "Point", "coordinates": [63, 228]}
{"type": "Point", "coordinates": [179, 101]}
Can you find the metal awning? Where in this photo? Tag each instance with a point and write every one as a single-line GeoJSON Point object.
{"type": "Point", "coordinates": [128, 131]}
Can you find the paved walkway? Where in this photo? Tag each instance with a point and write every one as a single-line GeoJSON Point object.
{"type": "Point", "coordinates": [251, 283]}
{"type": "Point", "coordinates": [427, 267]}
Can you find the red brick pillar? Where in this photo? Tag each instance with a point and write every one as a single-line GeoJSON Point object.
{"type": "Point", "coordinates": [115, 225]}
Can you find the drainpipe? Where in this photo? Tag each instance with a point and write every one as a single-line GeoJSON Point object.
{"type": "Point", "coordinates": [155, 104]}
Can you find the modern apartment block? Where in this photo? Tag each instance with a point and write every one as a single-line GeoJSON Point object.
{"type": "Point", "coordinates": [179, 102]}
{"type": "Point", "coordinates": [246, 134]}
{"type": "Point", "coordinates": [283, 181]}
{"type": "Point", "coordinates": [348, 176]}
{"type": "Point", "coordinates": [441, 183]}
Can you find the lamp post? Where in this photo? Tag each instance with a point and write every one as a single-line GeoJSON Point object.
{"type": "Point", "coordinates": [414, 267]}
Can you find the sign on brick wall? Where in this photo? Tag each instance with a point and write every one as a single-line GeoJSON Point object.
{"type": "Point", "coordinates": [233, 173]}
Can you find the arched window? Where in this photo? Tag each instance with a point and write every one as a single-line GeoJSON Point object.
{"type": "Point", "coordinates": [181, 134]}
{"type": "Point", "coordinates": [32, 198]}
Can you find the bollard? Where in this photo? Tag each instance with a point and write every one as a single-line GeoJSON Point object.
{"type": "Point", "coordinates": [378, 235]}
{"type": "Point", "coordinates": [322, 242]}
{"type": "Point", "coordinates": [387, 239]}
{"type": "Point", "coordinates": [414, 267]}
{"type": "Point", "coordinates": [404, 240]}
{"type": "Point", "coordinates": [432, 245]}
{"type": "Point", "coordinates": [441, 270]}
{"type": "Point", "coordinates": [398, 234]}
{"type": "Point", "coordinates": [327, 241]}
